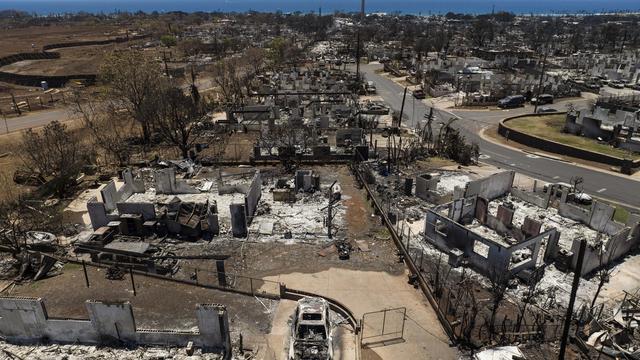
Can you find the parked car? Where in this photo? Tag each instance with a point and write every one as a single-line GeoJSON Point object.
{"type": "Point", "coordinates": [543, 99]}
{"type": "Point", "coordinates": [511, 102]}
{"type": "Point", "coordinates": [544, 109]}
{"type": "Point", "coordinates": [311, 335]}
{"type": "Point", "coordinates": [419, 94]}
{"type": "Point", "coordinates": [582, 198]}
{"type": "Point", "coordinates": [616, 84]}
{"type": "Point", "coordinates": [370, 87]}
{"type": "Point", "coordinates": [578, 197]}
{"type": "Point", "coordinates": [593, 86]}
{"type": "Point", "coordinates": [375, 109]}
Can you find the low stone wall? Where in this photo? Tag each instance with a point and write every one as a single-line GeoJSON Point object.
{"type": "Point", "coordinates": [54, 81]}
{"type": "Point", "coordinates": [8, 60]}
{"type": "Point", "coordinates": [539, 143]}
{"type": "Point", "coordinates": [116, 40]}
{"type": "Point", "coordinates": [25, 320]}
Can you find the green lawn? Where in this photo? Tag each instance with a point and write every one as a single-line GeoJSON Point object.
{"type": "Point", "coordinates": [550, 127]}
{"type": "Point", "coordinates": [621, 215]}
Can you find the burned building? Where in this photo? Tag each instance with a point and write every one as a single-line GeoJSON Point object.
{"type": "Point", "coordinates": [497, 228]}
{"type": "Point", "coordinates": [174, 206]}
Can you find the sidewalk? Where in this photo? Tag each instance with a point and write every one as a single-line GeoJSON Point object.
{"type": "Point", "coordinates": [557, 157]}
{"type": "Point", "coordinates": [367, 291]}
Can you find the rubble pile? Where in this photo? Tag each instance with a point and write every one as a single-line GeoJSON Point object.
{"type": "Point", "coordinates": [85, 352]}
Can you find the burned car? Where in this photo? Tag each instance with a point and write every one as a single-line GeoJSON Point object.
{"type": "Point", "coordinates": [311, 331]}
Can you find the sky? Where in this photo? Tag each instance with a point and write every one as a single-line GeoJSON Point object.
{"type": "Point", "coordinates": [403, 6]}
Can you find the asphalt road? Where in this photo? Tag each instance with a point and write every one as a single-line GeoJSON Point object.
{"type": "Point", "coordinates": [35, 119]}
{"type": "Point", "coordinates": [617, 188]}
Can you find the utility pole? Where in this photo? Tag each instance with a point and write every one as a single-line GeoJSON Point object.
{"type": "Point", "coordinates": [389, 155]}
{"type": "Point", "coordinates": [358, 43]}
{"type": "Point", "coordinates": [15, 105]}
{"type": "Point", "coordinates": [402, 107]}
{"type": "Point", "coordinates": [572, 299]}
{"type": "Point", "coordinates": [164, 59]}
{"type": "Point", "coordinates": [329, 210]}
{"type": "Point", "coordinates": [318, 23]}
{"type": "Point", "coordinates": [404, 97]}
{"type": "Point", "coordinates": [358, 56]}
{"type": "Point", "coordinates": [544, 63]}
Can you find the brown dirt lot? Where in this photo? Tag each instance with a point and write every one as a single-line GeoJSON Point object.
{"type": "Point", "coordinates": [76, 60]}
{"type": "Point", "coordinates": [158, 304]}
{"type": "Point", "coordinates": [21, 39]}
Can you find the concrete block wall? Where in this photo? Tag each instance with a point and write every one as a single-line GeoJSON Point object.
{"type": "Point", "coordinates": [166, 183]}
{"type": "Point", "coordinates": [531, 198]}
{"type": "Point", "coordinates": [25, 320]}
{"type": "Point", "coordinates": [456, 236]}
{"type": "Point", "coordinates": [213, 222]}
{"type": "Point", "coordinates": [213, 324]}
{"type": "Point", "coordinates": [425, 184]}
{"type": "Point", "coordinates": [574, 212]}
{"type": "Point", "coordinates": [299, 178]}
{"type": "Point", "coordinates": [137, 185]}
{"type": "Point", "coordinates": [253, 196]}
{"type": "Point", "coordinates": [456, 209]}
{"type": "Point", "coordinates": [491, 187]}
{"type": "Point", "coordinates": [109, 195]}
{"type": "Point", "coordinates": [534, 244]}
{"type": "Point", "coordinates": [531, 227]}
{"type": "Point", "coordinates": [552, 248]}
{"type": "Point", "coordinates": [239, 226]}
{"type": "Point", "coordinates": [447, 234]}
{"type": "Point", "coordinates": [112, 321]}
{"type": "Point", "coordinates": [621, 239]}
{"type": "Point", "coordinates": [597, 256]}
{"type": "Point", "coordinates": [224, 189]}
{"type": "Point", "coordinates": [111, 199]}
{"type": "Point", "coordinates": [601, 213]}
{"type": "Point", "coordinates": [147, 210]}
{"type": "Point", "coordinates": [97, 213]}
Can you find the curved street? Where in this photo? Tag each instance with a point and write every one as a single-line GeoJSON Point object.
{"type": "Point", "coordinates": [618, 188]}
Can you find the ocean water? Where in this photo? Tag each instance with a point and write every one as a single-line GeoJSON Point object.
{"type": "Point", "coordinates": [423, 7]}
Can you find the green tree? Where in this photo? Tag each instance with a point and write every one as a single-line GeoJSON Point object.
{"type": "Point", "coordinates": [282, 50]}
{"type": "Point", "coordinates": [168, 40]}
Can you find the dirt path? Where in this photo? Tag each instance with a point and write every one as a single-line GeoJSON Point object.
{"type": "Point", "coordinates": [358, 214]}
